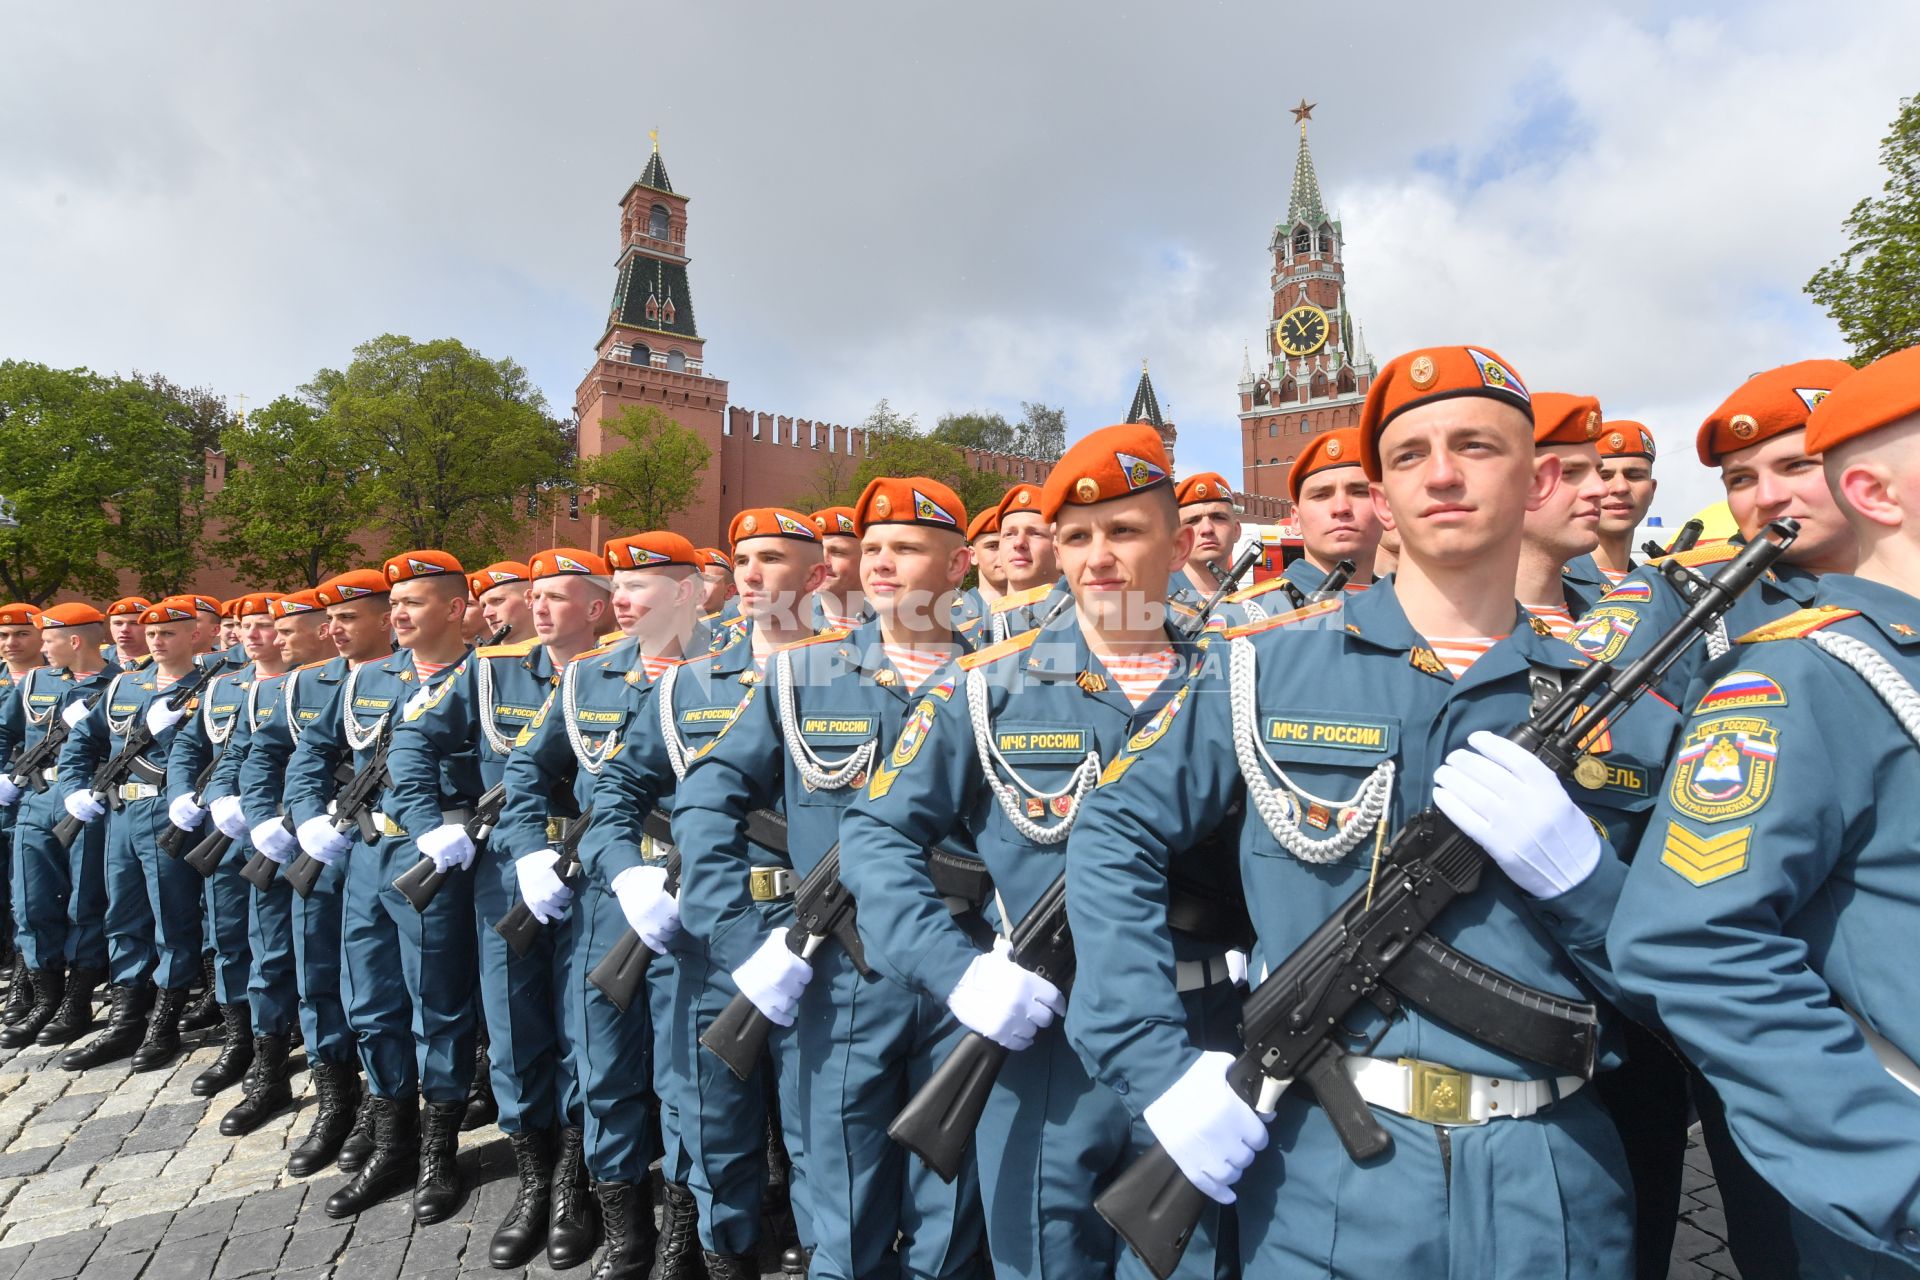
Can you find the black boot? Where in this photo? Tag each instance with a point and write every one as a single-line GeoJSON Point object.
{"type": "Point", "coordinates": [75, 1018]}
{"type": "Point", "coordinates": [630, 1231]}
{"type": "Point", "coordinates": [205, 1012]}
{"type": "Point", "coordinates": [677, 1257]}
{"type": "Point", "coordinates": [19, 991]}
{"type": "Point", "coordinates": [524, 1229]}
{"type": "Point", "coordinates": [267, 1091]}
{"type": "Point", "coordinates": [126, 1024]}
{"type": "Point", "coordinates": [161, 1044]}
{"type": "Point", "coordinates": [355, 1151]}
{"type": "Point", "coordinates": [236, 1054]}
{"type": "Point", "coordinates": [48, 986]}
{"type": "Point", "coordinates": [389, 1169]}
{"type": "Point", "coordinates": [570, 1236]}
{"type": "Point", "coordinates": [482, 1107]}
{"type": "Point", "coordinates": [730, 1266]}
{"type": "Point", "coordinates": [439, 1190]}
{"type": "Point", "coordinates": [336, 1092]}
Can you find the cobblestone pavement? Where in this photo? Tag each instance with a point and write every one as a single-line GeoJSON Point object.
{"type": "Point", "coordinates": [112, 1176]}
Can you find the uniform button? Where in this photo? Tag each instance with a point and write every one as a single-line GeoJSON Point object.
{"type": "Point", "coordinates": [1908, 1239]}
{"type": "Point", "coordinates": [1120, 1087]}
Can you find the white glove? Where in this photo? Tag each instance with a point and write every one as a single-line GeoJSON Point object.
{"type": "Point", "coordinates": [652, 912]}
{"type": "Point", "coordinates": [85, 806]}
{"type": "Point", "coordinates": [541, 888]}
{"type": "Point", "coordinates": [320, 841]}
{"type": "Point", "coordinates": [1210, 1132]}
{"type": "Point", "coordinates": [228, 817]}
{"type": "Point", "coordinates": [1237, 967]}
{"type": "Point", "coordinates": [184, 812]}
{"type": "Point", "coordinates": [773, 978]}
{"type": "Point", "coordinates": [449, 847]}
{"type": "Point", "coordinates": [274, 839]}
{"type": "Point", "coordinates": [1506, 800]}
{"type": "Point", "coordinates": [161, 717]}
{"type": "Point", "coordinates": [74, 712]}
{"type": "Point", "coordinates": [1003, 1002]}
{"type": "Point", "coordinates": [9, 794]}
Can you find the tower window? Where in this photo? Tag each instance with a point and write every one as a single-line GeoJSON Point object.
{"type": "Point", "coordinates": [676, 361]}
{"type": "Point", "coordinates": [1347, 384]}
{"type": "Point", "coordinates": [638, 354]}
{"type": "Point", "coordinates": [1273, 429]}
{"type": "Point", "coordinates": [1326, 239]}
{"type": "Point", "coordinates": [1289, 390]}
{"type": "Point", "coordinates": [657, 222]}
{"type": "Point", "coordinates": [1319, 384]}
{"type": "Point", "coordinates": [1302, 240]}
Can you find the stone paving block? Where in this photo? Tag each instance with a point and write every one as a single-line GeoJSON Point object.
{"type": "Point", "coordinates": [192, 1259]}
{"type": "Point", "coordinates": [11, 1260]}
{"type": "Point", "coordinates": [136, 1235]}
{"type": "Point", "coordinates": [274, 1209]}
{"type": "Point", "coordinates": [1690, 1242]}
{"type": "Point", "coordinates": [136, 1168]}
{"type": "Point", "coordinates": [377, 1261]}
{"type": "Point", "coordinates": [41, 1133]}
{"type": "Point", "coordinates": [306, 1273]}
{"type": "Point", "coordinates": [315, 1245]}
{"type": "Point", "coordinates": [87, 1150]}
{"type": "Point", "coordinates": [391, 1220]}
{"type": "Point", "coordinates": [1710, 1220]}
{"type": "Point", "coordinates": [57, 1259]}
{"type": "Point", "coordinates": [119, 1266]}
{"type": "Point", "coordinates": [204, 1220]}
{"type": "Point", "coordinates": [9, 1187]}
{"type": "Point", "coordinates": [53, 1184]}
{"type": "Point", "coordinates": [251, 1254]}
{"type": "Point", "coordinates": [102, 1123]}
{"type": "Point", "coordinates": [30, 1227]}
{"type": "Point", "coordinates": [15, 1164]}
{"type": "Point", "coordinates": [72, 1106]}
{"type": "Point", "coordinates": [438, 1246]}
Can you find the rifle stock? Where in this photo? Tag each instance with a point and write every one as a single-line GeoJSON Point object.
{"type": "Point", "coordinates": [519, 927]}
{"type": "Point", "coordinates": [1291, 1022]}
{"type": "Point", "coordinates": [206, 856]}
{"type": "Point", "coordinates": [352, 807]}
{"type": "Point", "coordinates": [119, 766]}
{"type": "Point", "coordinates": [419, 883]}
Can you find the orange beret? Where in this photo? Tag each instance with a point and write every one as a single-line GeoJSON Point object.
{"type": "Point", "coordinates": [836, 522]}
{"type": "Point", "coordinates": [1625, 438]}
{"type": "Point", "coordinates": [660, 549]}
{"type": "Point", "coordinates": [771, 522]}
{"type": "Point", "coordinates": [207, 604]}
{"type": "Point", "coordinates": [1113, 462]}
{"type": "Point", "coordinates": [255, 604]}
{"type": "Point", "coordinates": [1883, 393]}
{"type": "Point", "coordinates": [1560, 418]}
{"type": "Point", "coordinates": [1434, 373]}
{"type": "Point", "coordinates": [986, 522]}
{"type": "Point", "coordinates": [1022, 497]}
{"type": "Point", "coordinates": [1324, 452]}
{"type": "Point", "coordinates": [561, 562]}
{"type": "Point", "coordinates": [1768, 404]}
{"type": "Point", "coordinates": [127, 604]}
{"type": "Point", "coordinates": [19, 615]}
{"type": "Point", "coordinates": [715, 557]}
{"type": "Point", "coordinates": [913, 500]}
{"type": "Point", "coordinates": [494, 574]}
{"type": "Point", "coordinates": [1208, 486]}
{"type": "Point", "coordinates": [171, 609]}
{"type": "Point", "coordinates": [71, 615]}
{"type": "Point", "coordinates": [351, 585]}
{"type": "Point", "coordinates": [298, 602]}
{"type": "Point", "coordinates": [422, 564]}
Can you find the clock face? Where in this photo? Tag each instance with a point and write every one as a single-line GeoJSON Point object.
{"type": "Point", "coordinates": [1302, 331]}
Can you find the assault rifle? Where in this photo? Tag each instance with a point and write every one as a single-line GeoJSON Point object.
{"type": "Point", "coordinates": [260, 869]}
{"type": "Point", "coordinates": [352, 807]}
{"type": "Point", "coordinates": [204, 857]}
{"type": "Point", "coordinates": [118, 767]}
{"type": "Point", "coordinates": [419, 883]}
{"type": "Point", "coordinates": [31, 764]}
{"type": "Point", "coordinates": [173, 840]}
{"type": "Point", "coordinates": [1292, 1023]}
{"type": "Point", "coordinates": [1229, 582]}
{"type": "Point", "coordinates": [1335, 582]}
{"type": "Point", "coordinates": [621, 970]}
{"type": "Point", "coordinates": [520, 926]}
{"type": "Point", "coordinates": [822, 911]}
{"type": "Point", "coordinates": [1685, 540]}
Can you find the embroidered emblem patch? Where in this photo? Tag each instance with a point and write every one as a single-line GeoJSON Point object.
{"type": "Point", "coordinates": [1629, 592]}
{"type": "Point", "coordinates": [1495, 374]}
{"type": "Point", "coordinates": [1156, 728]}
{"type": "Point", "coordinates": [913, 734]}
{"type": "Point", "coordinates": [1605, 632]}
{"type": "Point", "coordinates": [1742, 689]}
{"type": "Point", "coordinates": [1704, 859]}
{"type": "Point", "coordinates": [789, 525]}
{"type": "Point", "coordinates": [1725, 769]}
{"type": "Point", "coordinates": [1139, 472]}
{"type": "Point", "coordinates": [925, 508]}
{"type": "Point", "coordinates": [1424, 660]}
{"type": "Point", "coordinates": [1811, 396]}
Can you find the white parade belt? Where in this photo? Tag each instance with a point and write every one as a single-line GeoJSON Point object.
{"type": "Point", "coordinates": [1436, 1094]}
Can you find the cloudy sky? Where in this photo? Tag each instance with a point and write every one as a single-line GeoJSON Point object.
{"type": "Point", "coordinates": [953, 207]}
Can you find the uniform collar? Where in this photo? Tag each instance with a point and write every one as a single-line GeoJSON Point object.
{"type": "Point", "coordinates": [1375, 618]}
{"type": "Point", "coordinates": [865, 650]}
{"type": "Point", "coordinates": [1893, 611]}
{"type": "Point", "coordinates": [1060, 654]}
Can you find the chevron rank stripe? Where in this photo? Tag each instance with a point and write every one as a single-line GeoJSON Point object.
{"type": "Point", "coordinates": [1700, 860]}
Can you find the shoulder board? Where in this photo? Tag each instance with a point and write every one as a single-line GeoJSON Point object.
{"type": "Point", "coordinates": [1713, 553]}
{"type": "Point", "coordinates": [1282, 619]}
{"type": "Point", "coordinates": [595, 653]}
{"type": "Point", "coordinates": [1257, 590]}
{"type": "Point", "coordinates": [611, 638]}
{"type": "Point", "coordinates": [311, 665]}
{"type": "Point", "coordinates": [1795, 625]}
{"type": "Point", "coordinates": [818, 637]}
{"type": "Point", "coordinates": [994, 652]}
{"type": "Point", "coordinates": [1020, 599]}
{"type": "Point", "coordinates": [518, 649]}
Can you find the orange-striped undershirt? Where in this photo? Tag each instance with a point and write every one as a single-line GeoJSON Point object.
{"type": "Point", "coordinates": [1140, 674]}
{"type": "Point", "coordinates": [428, 670]}
{"type": "Point", "coordinates": [656, 664]}
{"type": "Point", "coordinates": [161, 680]}
{"type": "Point", "coordinates": [1556, 616]}
{"type": "Point", "coordinates": [1457, 653]}
{"type": "Point", "coordinates": [1615, 576]}
{"type": "Point", "coordinates": [916, 666]}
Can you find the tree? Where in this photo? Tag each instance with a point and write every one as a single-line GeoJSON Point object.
{"type": "Point", "coordinates": [457, 440]}
{"type": "Point", "coordinates": [896, 447]}
{"type": "Point", "coordinates": [1872, 290]}
{"type": "Point", "coordinates": [160, 522]}
{"type": "Point", "coordinates": [1042, 432]}
{"type": "Point", "coordinates": [295, 495]}
{"type": "Point", "coordinates": [988, 431]}
{"type": "Point", "coordinates": [650, 478]}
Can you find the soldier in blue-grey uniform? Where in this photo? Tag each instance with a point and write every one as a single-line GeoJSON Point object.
{"type": "Point", "coordinates": [1558, 581]}
{"type": "Point", "coordinates": [464, 731]}
{"type": "Point", "coordinates": [1627, 452]}
{"type": "Point", "coordinates": [348, 628]}
{"type": "Point", "coordinates": [154, 903]}
{"type": "Point", "coordinates": [60, 895]}
{"type": "Point", "coordinates": [810, 734]}
{"type": "Point", "coordinates": [19, 655]}
{"type": "Point", "coordinates": [1770, 916]}
{"type": "Point", "coordinates": [1010, 742]}
{"type": "Point", "coordinates": [1335, 511]}
{"type": "Point", "coordinates": [410, 987]}
{"type": "Point", "coordinates": [983, 541]}
{"type": "Point", "coordinates": [1335, 725]}
{"type": "Point", "coordinates": [1027, 563]}
{"type": "Point", "coordinates": [1206, 508]}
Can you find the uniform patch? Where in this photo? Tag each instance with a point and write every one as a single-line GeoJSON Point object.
{"type": "Point", "coordinates": [838, 728]}
{"type": "Point", "coordinates": [1631, 592]}
{"type": "Point", "coordinates": [1703, 859]}
{"type": "Point", "coordinates": [1344, 734]}
{"type": "Point", "coordinates": [1725, 768]}
{"type": "Point", "coordinates": [706, 715]}
{"type": "Point", "coordinates": [1115, 767]}
{"type": "Point", "coordinates": [1156, 728]}
{"type": "Point", "coordinates": [913, 735]}
{"type": "Point", "coordinates": [1742, 689]}
{"type": "Point", "coordinates": [1811, 396]}
{"type": "Point", "coordinates": [1139, 472]}
{"type": "Point", "coordinates": [1423, 660]}
{"type": "Point", "coordinates": [1496, 375]}
{"type": "Point", "coordinates": [791, 526]}
{"type": "Point", "coordinates": [1603, 633]}
{"type": "Point", "coordinates": [925, 508]}
{"type": "Point", "coordinates": [1048, 741]}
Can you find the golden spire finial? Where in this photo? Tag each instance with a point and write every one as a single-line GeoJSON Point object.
{"type": "Point", "coordinates": [655, 135]}
{"type": "Point", "coordinates": [1302, 114]}
{"type": "Point", "coordinates": [1143, 364]}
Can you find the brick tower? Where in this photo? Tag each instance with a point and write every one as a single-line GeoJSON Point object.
{"type": "Point", "coordinates": [651, 351]}
{"type": "Point", "coordinates": [1317, 370]}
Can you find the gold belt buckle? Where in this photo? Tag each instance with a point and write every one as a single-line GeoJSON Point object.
{"type": "Point", "coordinates": [387, 826]}
{"type": "Point", "coordinates": [1437, 1094]}
{"type": "Point", "coordinates": [129, 791]}
{"type": "Point", "coordinates": [762, 882]}
{"type": "Point", "coordinates": [556, 830]}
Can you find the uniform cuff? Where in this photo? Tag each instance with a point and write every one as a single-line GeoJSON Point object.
{"type": "Point", "coordinates": [1579, 917]}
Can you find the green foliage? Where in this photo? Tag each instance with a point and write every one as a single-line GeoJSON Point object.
{"type": "Point", "coordinates": [455, 441]}
{"type": "Point", "coordinates": [651, 477]}
{"type": "Point", "coordinates": [1042, 432]}
{"type": "Point", "coordinates": [987, 431]}
{"type": "Point", "coordinates": [294, 497]}
{"type": "Point", "coordinates": [897, 447]}
{"type": "Point", "coordinates": [1872, 290]}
